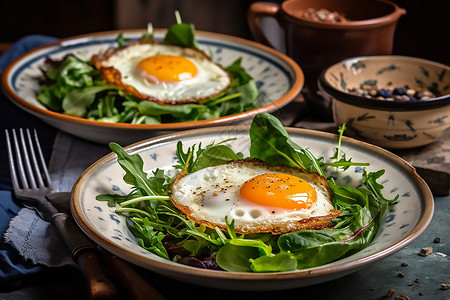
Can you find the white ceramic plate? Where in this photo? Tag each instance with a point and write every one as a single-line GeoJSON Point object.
{"type": "Point", "coordinates": [279, 80]}
{"type": "Point", "coordinates": [404, 221]}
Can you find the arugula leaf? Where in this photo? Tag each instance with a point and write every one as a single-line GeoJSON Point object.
{"type": "Point", "coordinates": [152, 217]}
{"type": "Point", "coordinates": [370, 180]}
{"type": "Point", "coordinates": [135, 176]}
{"type": "Point", "coordinates": [151, 240]}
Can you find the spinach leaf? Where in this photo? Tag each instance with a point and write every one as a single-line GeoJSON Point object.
{"type": "Point", "coordinates": [177, 111]}
{"type": "Point", "coordinates": [76, 88]}
{"type": "Point", "coordinates": [121, 41]}
{"type": "Point", "coordinates": [181, 34]}
{"type": "Point", "coordinates": [280, 262]}
{"type": "Point", "coordinates": [317, 247]}
{"type": "Point", "coordinates": [236, 258]}
{"type": "Point", "coordinates": [197, 158]}
{"type": "Point", "coordinates": [238, 72]}
{"type": "Point", "coordinates": [152, 217]}
{"type": "Point", "coordinates": [77, 102]}
{"type": "Point", "coordinates": [238, 253]}
{"type": "Point", "coordinates": [271, 143]}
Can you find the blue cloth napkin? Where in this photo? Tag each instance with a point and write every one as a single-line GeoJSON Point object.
{"type": "Point", "coordinates": [13, 268]}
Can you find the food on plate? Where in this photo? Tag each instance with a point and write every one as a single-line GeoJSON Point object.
{"type": "Point", "coordinates": [148, 81]}
{"type": "Point", "coordinates": [259, 197]}
{"type": "Point", "coordinates": [166, 74]}
{"type": "Point", "coordinates": [275, 210]}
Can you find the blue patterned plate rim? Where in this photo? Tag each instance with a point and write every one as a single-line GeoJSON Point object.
{"type": "Point", "coordinates": [415, 193]}
{"type": "Point", "coordinates": [290, 70]}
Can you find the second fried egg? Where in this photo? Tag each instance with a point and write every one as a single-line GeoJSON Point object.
{"type": "Point", "coordinates": [259, 197]}
{"type": "Point", "coordinates": [163, 73]}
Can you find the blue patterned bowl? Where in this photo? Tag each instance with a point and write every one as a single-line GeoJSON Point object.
{"type": "Point", "coordinates": [279, 80]}
{"type": "Point", "coordinates": [404, 221]}
{"type": "Point", "coordinates": [392, 124]}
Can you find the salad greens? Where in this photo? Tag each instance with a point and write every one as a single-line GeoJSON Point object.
{"type": "Point", "coordinates": [75, 87]}
{"type": "Point", "coordinates": [165, 231]}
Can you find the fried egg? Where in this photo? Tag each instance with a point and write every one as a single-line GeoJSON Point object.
{"type": "Point", "coordinates": [259, 197]}
{"type": "Point", "coordinates": [166, 74]}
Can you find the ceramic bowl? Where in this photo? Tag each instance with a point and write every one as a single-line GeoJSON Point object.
{"type": "Point", "coordinates": [390, 124]}
{"type": "Point", "coordinates": [315, 45]}
{"type": "Point", "coordinates": [279, 80]}
{"type": "Point", "coordinates": [404, 221]}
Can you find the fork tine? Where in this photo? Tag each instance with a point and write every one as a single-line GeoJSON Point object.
{"type": "Point", "coordinates": [18, 162]}
{"type": "Point", "coordinates": [12, 166]}
{"type": "Point", "coordinates": [43, 166]}
{"type": "Point", "coordinates": [37, 178]}
{"type": "Point", "coordinates": [26, 162]}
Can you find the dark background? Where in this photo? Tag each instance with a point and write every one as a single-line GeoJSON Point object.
{"type": "Point", "coordinates": [423, 32]}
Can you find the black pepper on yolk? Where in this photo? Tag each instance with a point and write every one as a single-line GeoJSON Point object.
{"type": "Point", "coordinates": [259, 197]}
{"type": "Point", "coordinates": [279, 190]}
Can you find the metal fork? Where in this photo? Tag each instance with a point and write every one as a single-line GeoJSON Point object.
{"type": "Point", "coordinates": [29, 174]}
{"type": "Point", "coordinates": [31, 184]}
{"type": "Point", "coordinates": [33, 187]}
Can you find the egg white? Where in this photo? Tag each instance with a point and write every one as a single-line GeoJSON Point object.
{"type": "Point", "coordinates": [211, 194]}
{"type": "Point", "coordinates": [210, 80]}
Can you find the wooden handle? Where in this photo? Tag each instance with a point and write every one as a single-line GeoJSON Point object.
{"type": "Point", "coordinates": [257, 11]}
{"type": "Point", "coordinates": [99, 286]}
{"type": "Point", "coordinates": [87, 256]}
{"type": "Point", "coordinates": [136, 287]}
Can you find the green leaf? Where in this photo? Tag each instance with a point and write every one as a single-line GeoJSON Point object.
{"type": "Point", "coordinates": [197, 159]}
{"type": "Point", "coordinates": [317, 247]}
{"type": "Point", "coordinates": [238, 72]}
{"type": "Point", "coordinates": [181, 34]}
{"type": "Point", "coordinates": [76, 103]}
{"type": "Point", "coordinates": [280, 262]}
{"type": "Point", "coordinates": [178, 111]}
{"type": "Point", "coordinates": [236, 258]}
{"type": "Point", "coordinates": [213, 156]}
{"type": "Point", "coordinates": [121, 41]}
{"type": "Point", "coordinates": [152, 240]}
{"type": "Point", "coordinates": [270, 142]}
{"type": "Point", "coordinates": [370, 180]}
{"type": "Point", "coordinates": [135, 176]}
{"type": "Point", "coordinates": [112, 199]}
{"type": "Point", "coordinates": [153, 218]}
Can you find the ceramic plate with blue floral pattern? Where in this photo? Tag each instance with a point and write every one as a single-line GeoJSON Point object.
{"type": "Point", "coordinates": [405, 220]}
{"type": "Point", "coordinates": [278, 78]}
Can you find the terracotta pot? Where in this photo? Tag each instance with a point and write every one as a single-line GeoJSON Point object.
{"type": "Point", "coordinates": [315, 45]}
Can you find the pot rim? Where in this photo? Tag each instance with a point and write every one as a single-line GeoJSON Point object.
{"type": "Point", "coordinates": [361, 24]}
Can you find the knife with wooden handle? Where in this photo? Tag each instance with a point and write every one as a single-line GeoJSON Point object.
{"type": "Point", "coordinates": [136, 287]}
{"type": "Point", "coordinates": [87, 256]}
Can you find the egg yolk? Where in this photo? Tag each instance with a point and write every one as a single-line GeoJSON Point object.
{"type": "Point", "coordinates": [279, 190]}
{"type": "Point", "coordinates": [168, 67]}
